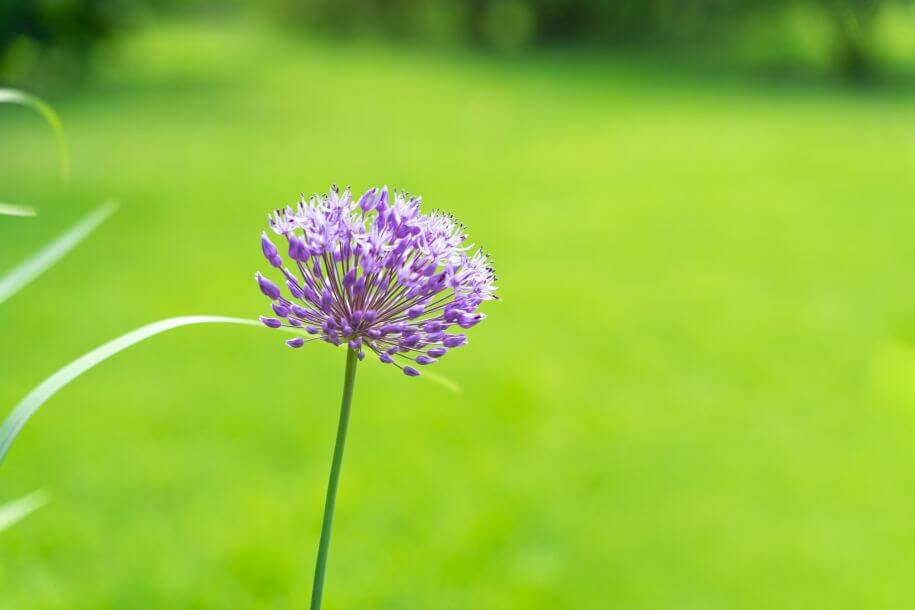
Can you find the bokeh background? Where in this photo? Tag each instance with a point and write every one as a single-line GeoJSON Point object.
{"type": "Point", "coordinates": [698, 391]}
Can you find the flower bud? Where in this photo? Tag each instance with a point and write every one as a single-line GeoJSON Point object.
{"type": "Point", "coordinates": [269, 289]}
{"type": "Point", "coordinates": [297, 249]}
{"type": "Point", "coordinates": [294, 289]}
{"type": "Point", "coordinates": [469, 320]}
{"type": "Point", "coordinates": [270, 251]}
{"type": "Point", "coordinates": [367, 201]}
{"type": "Point", "coordinates": [454, 340]}
{"type": "Point", "coordinates": [382, 204]}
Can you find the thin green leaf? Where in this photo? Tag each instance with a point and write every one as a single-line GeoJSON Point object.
{"type": "Point", "coordinates": [10, 209]}
{"type": "Point", "coordinates": [17, 510]}
{"type": "Point", "coordinates": [14, 96]}
{"type": "Point", "coordinates": [50, 386]}
{"type": "Point", "coordinates": [27, 407]}
{"type": "Point", "coordinates": [30, 268]}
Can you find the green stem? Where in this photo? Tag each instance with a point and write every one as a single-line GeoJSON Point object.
{"type": "Point", "coordinates": [321, 563]}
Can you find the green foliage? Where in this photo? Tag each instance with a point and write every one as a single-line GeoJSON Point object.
{"type": "Point", "coordinates": [13, 512]}
{"type": "Point", "coordinates": [45, 38]}
{"type": "Point", "coordinates": [854, 40]}
{"type": "Point", "coordinates": [529, 21]}
{"type": "Point", "coordinates": [12, 209]}
{"type": "Point", "coordinates": [11, 282]}
{"type": "Point", "coordinates": [697, 391]}
{"type": "Point", "coordinates": [26, 271]}
{"type": "Point", "coordinates": [52, 38]}
{"type": "Point", "coordinates": [14, 96]}
{"type": "Point", "coordinates": [516, 24]}
{"type": "Point", "coordinates": [23, 411]}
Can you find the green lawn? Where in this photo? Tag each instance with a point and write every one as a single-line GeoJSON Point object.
{"type": "Point", "coordinates": [697, 393]}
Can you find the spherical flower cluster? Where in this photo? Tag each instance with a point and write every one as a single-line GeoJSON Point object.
{"type": "Point", "coordinates": [376, 273]}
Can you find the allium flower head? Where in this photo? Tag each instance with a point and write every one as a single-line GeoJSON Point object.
{"type": "Point", "coordinates": [376, 273]}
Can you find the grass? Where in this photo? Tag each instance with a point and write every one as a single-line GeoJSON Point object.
{"type": "Point", "coordinates": [697, 392]}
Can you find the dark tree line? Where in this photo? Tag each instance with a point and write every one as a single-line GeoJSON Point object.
{"type": "Point", "coordinates": [64, 31]}
{"type": "Point", "coordinates": [497, 23]}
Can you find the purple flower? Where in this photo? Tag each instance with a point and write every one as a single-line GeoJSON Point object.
{"type": "Point", "coordinates": [377, 273]}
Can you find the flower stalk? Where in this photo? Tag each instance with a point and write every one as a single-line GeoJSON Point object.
{"type": "Point", "coordinates": [376, 275]}
{"type": "Point", "coordinates": [330, 501]}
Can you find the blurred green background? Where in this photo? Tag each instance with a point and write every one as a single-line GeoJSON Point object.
{"type": "Point", "coordinates": [698, 391]}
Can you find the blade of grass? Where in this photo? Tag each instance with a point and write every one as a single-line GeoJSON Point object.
{"type": "Point", "coordinates": [50, 386]}
{"type": "Point", "coordinates": [10, 209]}
{"type": "Point", "coordinates": [30, 268]}
{"type": "Point", "coordinates": [17, 510]}
{"type": "Point", "coordinates": [14, 96]}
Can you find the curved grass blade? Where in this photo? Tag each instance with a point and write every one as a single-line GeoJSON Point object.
{"type": "Point", "coordinates": [50, 386]}
{"type": "Point", "coordinates": [30, 268]}
{"type": "Point", "coordinates": [27, 407]}
{"type": "Point", "coordinates": [10, 209]}
{"type": "Point", "coordinates": [14, 96]}
{"type": "Point", "coordinates": [17, 510]}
